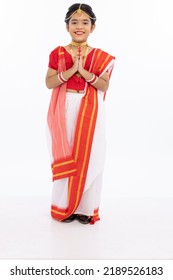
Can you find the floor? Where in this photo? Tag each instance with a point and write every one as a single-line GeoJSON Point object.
{"type": "Point", "coordinates": [130, 228]}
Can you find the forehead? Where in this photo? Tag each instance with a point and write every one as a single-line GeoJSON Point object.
{"type": "Point", "coordinates": [80, 17]}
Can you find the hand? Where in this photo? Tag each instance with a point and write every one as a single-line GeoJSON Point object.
{"type": "Point", "coordinates": [80, 64]}
{"type": "Point", "coordinates": [75, 65]}
{"type": "Point", "coordinates": [80, 61]}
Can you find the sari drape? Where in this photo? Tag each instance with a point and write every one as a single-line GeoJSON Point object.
{"type": "Point", "coordinates": [72, 162]}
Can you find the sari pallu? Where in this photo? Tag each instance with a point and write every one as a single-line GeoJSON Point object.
{"type": "Point", "coordinates": [72, 163]}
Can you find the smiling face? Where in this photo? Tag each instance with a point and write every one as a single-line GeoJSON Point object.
{"type": "Point", "coordinates": [80, 27]}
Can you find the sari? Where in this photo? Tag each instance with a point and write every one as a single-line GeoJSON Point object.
{"type": "Point", "coordinates": [71, 162]}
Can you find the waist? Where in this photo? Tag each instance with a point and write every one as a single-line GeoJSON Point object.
{"type": "Point", "coordinates": [75, 91]}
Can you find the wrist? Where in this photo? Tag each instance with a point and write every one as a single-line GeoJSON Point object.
{"type": "Point", "coordinates": [93, 79]}
{"type": "Point", "coordinates": [73, 70]}
{"type": "Point", "coordinates": [61, 77]}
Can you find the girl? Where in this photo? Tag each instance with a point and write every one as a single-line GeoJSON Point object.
{"type": "Point", "coordinates": [78, 75]}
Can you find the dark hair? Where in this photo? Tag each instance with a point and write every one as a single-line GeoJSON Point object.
{"type": "Point", "coordinates": [84, 7]}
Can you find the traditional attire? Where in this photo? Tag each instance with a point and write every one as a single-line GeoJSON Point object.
{"type": "Point", "coordinates": [77, 138]}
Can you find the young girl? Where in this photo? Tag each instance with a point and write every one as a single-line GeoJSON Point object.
{"type": "Point", "coordinates": [78, 75]}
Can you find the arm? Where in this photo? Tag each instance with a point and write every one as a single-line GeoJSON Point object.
{"type": "Point", "coordinates": [52, 79]}
{"type": "Point", "coordinates": [102, 82]}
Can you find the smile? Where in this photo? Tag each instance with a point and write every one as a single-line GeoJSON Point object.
{"type": "Point", "coordinates": [79, 33]}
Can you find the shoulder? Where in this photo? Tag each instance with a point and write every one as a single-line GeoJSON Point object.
{"type": "Point", "coordinates": [54, 57]}
{"type": "Point", "coordinates": [103, 53]}
{"type": "Point", "coordinates": [56, 50]}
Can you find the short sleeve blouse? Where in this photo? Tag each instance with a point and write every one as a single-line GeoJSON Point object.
{"type": "Point", "coordinates": [75, 82]}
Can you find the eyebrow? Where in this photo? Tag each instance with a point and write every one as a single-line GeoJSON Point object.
{"type": "Point", "coordinates": [84, 20]}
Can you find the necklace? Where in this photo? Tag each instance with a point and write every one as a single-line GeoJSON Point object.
{"type": "Point", "coordinates": [79, 49]}
{"type": "Point", "coordinates": [79, 52]}
{"type": "Point", "coordinates": [79, 44]}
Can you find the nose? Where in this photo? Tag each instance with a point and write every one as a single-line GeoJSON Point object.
{"type": "Point", "coordinates": [79, 25]}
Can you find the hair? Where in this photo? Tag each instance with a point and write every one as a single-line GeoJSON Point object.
{"type": "Point", "coordinates": [84, 7]}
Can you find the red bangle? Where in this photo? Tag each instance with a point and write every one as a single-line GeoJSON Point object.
{"type": "Point", "coordinates": [93, 80]}
{"type": "Point", "coordinates": [61, 78]}
{"type": "Point", "coordinates": [90, 80]}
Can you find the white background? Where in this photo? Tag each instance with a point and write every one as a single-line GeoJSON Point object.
{"type": "Point", "coordinates": [139, 101]}
{"type": "Point", "coordinates": [137, 207]}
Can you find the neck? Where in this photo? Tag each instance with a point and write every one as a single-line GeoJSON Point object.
{"type": "Point", "coordinates": [79, 44]}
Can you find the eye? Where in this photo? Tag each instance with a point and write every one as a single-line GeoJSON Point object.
{"type": "Point", "coordinates": [73, 21]}
{"type": "Point", "coordinates": [85, 22]}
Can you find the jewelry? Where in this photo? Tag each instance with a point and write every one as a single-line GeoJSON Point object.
{"type": "Point", "coordinates": [79, 44]}
{"type": "Point", "coordinates": [93, 80]}
{"type": "Point", "coordinates": [90, 80]}
{"type": "Point", "coordinates": [61, 78]}
{"type": "Point", "coordinates": [79, 10]}
{"type": "Point", "coordinates": [79, 49]}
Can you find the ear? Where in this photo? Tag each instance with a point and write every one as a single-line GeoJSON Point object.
{"type": "Point", "coordinates": [93, 27]}
{"type": "Point", "coordinates": [67, 27]}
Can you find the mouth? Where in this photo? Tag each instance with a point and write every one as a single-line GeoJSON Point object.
{"type": "Point", "coordinates": [79, 33]}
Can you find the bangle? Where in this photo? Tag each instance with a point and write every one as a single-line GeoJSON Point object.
{"type": "Point", "coordinates": [93, 80]}
{"type": "Point", "coordinates": [90, 80]}
{"type": "Point", "coordinates": [61, 78]}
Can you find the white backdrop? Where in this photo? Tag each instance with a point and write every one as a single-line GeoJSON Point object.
{"type": "Point", "coordinates": [139, 101]}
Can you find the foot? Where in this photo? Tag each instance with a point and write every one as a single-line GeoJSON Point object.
{"type": "Point", "coordinates": [70, 219]}
{"type": "Point", "coordinates": [83, 219]}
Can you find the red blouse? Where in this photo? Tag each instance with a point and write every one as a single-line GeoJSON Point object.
{"type": "Point", "coordinates": [75, 82]}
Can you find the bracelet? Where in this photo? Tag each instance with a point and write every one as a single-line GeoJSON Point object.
{"type": "Point", "coordinates": [61, 78]}
{"type": "Point", "coordinates": [90, 80]}
{"type": "Point", "coordinates": [93, 80]}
